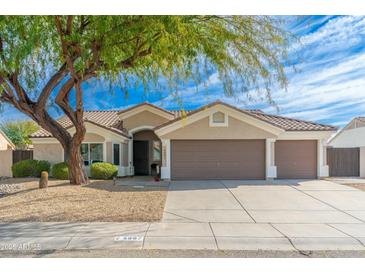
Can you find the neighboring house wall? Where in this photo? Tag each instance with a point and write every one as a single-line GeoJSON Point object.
{"type": "Point", "coordinates": [201, 130]}
{"type": "Point", "coordinates": [48, 152]}
{"type": "Point", "coordinates": [3, 143]}
{"type": "Point", "coordinates": [6, 158]}
{"type": "Point", "coordinates": [144, 118]}
{"type": "Point", "coordinates": [349, 138]}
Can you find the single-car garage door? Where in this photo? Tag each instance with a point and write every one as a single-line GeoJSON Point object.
{"type": "Point", "coordinates": [296, 159]}
{"type": "Point", "coordinates": [217, 159]}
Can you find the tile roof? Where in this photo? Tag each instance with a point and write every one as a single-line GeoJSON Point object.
{"type": "Point", "coordinates": [285, 123]}
{"type": "Point", "coordinates": [144, 104]}
{"type": "Point", "coordinates": [109, 120]}
{"type": "Point", "coordinates": [290, 124]}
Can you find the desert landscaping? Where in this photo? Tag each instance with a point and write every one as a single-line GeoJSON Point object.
{"type": "Point", "coordinates": [98, 201]}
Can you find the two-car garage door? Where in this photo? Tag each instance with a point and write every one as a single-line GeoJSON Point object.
{"type": "Point", "coordinates": [240, 159]}
{"type": "Point", "coordinates": [217, 159]}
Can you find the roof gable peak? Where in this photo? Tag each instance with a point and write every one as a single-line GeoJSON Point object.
{"type": "Point", "coordinates": [131, 111]}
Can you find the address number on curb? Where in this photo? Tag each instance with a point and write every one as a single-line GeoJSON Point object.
{"type": "Point", "coordinates": [128, 238]}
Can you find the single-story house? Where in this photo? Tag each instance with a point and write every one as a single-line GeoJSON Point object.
{"type": "Point", "coordinates": [216, 141]}
{"type": "Point", "coordinates": [347, 149]}
{"type": "Point", "coordinates": [6, 155]}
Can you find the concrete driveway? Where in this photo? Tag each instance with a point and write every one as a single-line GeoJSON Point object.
{"type": "Point", "coordinates": [286, 214]}
{"type": "Point", "coordinates": [220, 215]}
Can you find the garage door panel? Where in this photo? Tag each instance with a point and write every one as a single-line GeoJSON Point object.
{"type": "Point", "coordinates": [296, 159]}
{"type": "Point", "coordinates": [217, 159]}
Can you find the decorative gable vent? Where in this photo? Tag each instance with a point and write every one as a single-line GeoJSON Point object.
{"type": "Point", "coordinates": [218, 119]}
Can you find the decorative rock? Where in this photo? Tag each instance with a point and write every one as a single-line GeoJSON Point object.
{"type": "Point", "coordinates": [8, 188]}
{"type": "Point", "coordinates": [43, 181]}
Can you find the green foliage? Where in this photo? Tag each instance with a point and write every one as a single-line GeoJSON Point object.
{"type": "Point", "coordinates": [246, 51]}
{"type": "Point", "coordinates": [43, 166]}
{"type": "Point", "coordinates": [30, 168]}
{"type": "Point", "coordinates": [60, 171]}
{"type": "Point", "coordinates": [103, 171]}
{"type": "Point", "coordinates": [19, 131]}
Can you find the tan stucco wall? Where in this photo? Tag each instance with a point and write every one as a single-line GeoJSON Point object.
{"type": "Point", "coordinates": [6, 159]}
{"type": "Point", "coordinates": [145, 135]}
{"type": "Point", "coordinates": [144, 118]}
{"type": "Point", "coordinates": [93, 137]}
{"type": "Point", "coordinates": [109, 152]}
{"type": "Point", "coordinates": [49, 152]}
{"type": "Point", "coordinates": [235, 130]}
{"type": "Point", "coordinates": [125, 155]}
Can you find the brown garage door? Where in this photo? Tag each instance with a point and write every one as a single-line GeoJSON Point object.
{"type": "Point", "coordinates": [296, 159]}
{"type": "Point", "coordinates": [217, 159]}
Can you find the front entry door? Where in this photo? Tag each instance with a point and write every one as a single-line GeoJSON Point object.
{"type": "Point", "coordinates": [140, 157]}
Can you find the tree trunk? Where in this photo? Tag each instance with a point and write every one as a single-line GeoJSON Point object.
{"type": "Point", "coordinates": [75, 162]}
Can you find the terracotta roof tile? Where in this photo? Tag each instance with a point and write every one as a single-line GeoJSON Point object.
{"type": "Point", "coordinates": [144, 104]}
{"type": "Point", "coordinates": [290, 124]}
{"type": "Point", "coordinates": [109, 119]}
{"type": "Point", "coordinates": [285, 123]}
{"type": "Point", "coordinates": [180, 113]}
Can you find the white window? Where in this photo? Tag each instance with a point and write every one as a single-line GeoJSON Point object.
{"type": "Point", "coordinates": [156, 151]}
{"type": "Point", "coordinates": [218, 119]}
{"type": "Point", "coordinates": [92, 153]}
{"type": "Point", "coordinates": [116, 154]}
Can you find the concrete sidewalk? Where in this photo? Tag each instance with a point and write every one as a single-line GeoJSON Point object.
{"type": "Point", "coordinates": [212, 236]}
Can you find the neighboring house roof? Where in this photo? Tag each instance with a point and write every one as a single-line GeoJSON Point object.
{"type": "Point", "coordinates": [110, 120]}
{"type": "Point", "coordinates": [285, 123]}
{"type": "Point", "coordinates": [6, 138]}
{"type": "Point", "coordinates": [107, 119]}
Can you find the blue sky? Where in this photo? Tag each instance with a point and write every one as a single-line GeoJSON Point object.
{"type": "Point", "coordinates": [328, 86]}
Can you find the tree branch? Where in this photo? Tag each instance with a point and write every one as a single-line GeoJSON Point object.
{"type": "Point", "coordinates": [69, 25]}
{"type": "Point", "coordinates": [49, 87]}
{"type": "Point", "coordinates": [21, 93]}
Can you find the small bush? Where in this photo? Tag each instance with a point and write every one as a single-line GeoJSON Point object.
{"type": "Point", "coordinates": [30, 168]}
{"type": "Point", "coordinates": [103, 171]}
{"type": "Point", "coordinates": [43, 166]}
{"type": "Point", "coordinates": [26, 168]}
{"type": "Point", "coordinates": [60, 171]}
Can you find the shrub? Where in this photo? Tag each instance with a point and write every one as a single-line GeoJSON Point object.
{"type": "Point", "coordinates": [103, 171]}
{"type": "Point", "coordinates": [30, 168]}
{"type": "Point", "coordinates": [43, 166]}
{"type": "Point", "coordinates": [26, 168]}
{"type": "Point", "coordinates": [60, 171]}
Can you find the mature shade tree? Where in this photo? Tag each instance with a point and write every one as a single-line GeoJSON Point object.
{"type": "Point", "coordinates": [46, 59]}
{"type": "Point", "coordinates": [19, 132]}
